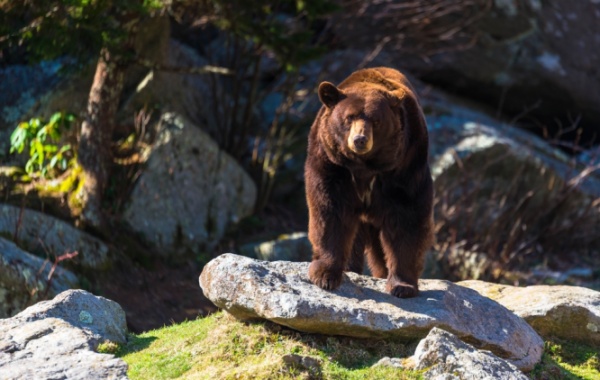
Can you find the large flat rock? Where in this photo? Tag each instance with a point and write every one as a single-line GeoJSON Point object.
{"type": "Point", "coordinates": [561, 311]}
{"type": "Point", "coordinates": [281, 292]}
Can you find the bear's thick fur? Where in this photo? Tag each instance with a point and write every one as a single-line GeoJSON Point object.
{"type": "Point", "coordinates": [368, 184]}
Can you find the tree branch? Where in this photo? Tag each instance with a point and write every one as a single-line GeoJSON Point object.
{"type": "Point", "coordinates": [207, 69]}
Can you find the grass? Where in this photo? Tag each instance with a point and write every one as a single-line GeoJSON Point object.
{"type": "Point", "coordinates": [568, 360]}
{"type": "Point", "coordinates": [221, 347]}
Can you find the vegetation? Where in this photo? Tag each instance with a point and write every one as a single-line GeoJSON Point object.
{"type": "Point", "coordinates": [220, 347]}
{"type": "Point", "coordinates": [492, 222]}
{"type": "Point", "coordinates": [104, 29]}
{"type": "Point", "coordinates": [568, 360]}
{"type": "Point", "coordinates": [107, 30]}
{"type": "Point", "coordinates": [48, 155]}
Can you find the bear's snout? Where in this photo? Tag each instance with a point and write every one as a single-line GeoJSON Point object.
{"type": "Point", "coordinates": [360, 140]}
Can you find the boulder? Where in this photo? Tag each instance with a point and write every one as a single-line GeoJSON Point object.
{"type": "Point", "coordinates": [58, 339]}
{"type": "Point", "coordinates": [560, 311]}
{"type": "Point", "coordinates": [103, 318]}
{"type": "Point", "coordinates": [189, 192]}
{"type": "Point", "coordinates": [504, 195]}
{"type": "Point", "coordinates": [26, 279]}
{"type": "Point", "coordinates": [530, 57]}
{"type": "Point", "coordinates": [282, 293]}
{"type": "Point", "coordinates": [458, 132]}
{"type": "Point", "coordinates": [443, 356]}
{"type": "Point", "coordinates": [291, 247]}
{"type": "Point", "coordinates": [47, 236]}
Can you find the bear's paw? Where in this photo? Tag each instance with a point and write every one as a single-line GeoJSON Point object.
{"type": "Point", "coordinates": [325, 276]}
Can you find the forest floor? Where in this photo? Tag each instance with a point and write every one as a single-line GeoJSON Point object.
{"type": "Point", "coordinates": [157, 296]}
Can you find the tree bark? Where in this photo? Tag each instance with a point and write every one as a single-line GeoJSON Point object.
{"type": "Point", "coordinates": [95, 154]}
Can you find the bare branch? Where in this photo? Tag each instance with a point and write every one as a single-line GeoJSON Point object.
{"type": "Point", "coordinates": [207, 69]}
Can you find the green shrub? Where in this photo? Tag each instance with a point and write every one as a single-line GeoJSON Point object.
{"type": "Point", "coordinates": [48, 157]}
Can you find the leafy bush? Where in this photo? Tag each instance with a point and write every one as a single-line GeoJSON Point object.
{"type": "Point", "coordinates": [48, 157]}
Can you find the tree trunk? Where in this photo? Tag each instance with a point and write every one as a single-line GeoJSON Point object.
{"type": "Point", "coordinates": [95, 155]}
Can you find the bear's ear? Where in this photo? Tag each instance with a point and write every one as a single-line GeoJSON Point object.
{"type": "Point", "coordinates": [395, 98]}
{"type": "Point", "coordinates": [329, 94]}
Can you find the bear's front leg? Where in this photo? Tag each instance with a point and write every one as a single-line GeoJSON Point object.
{"type": "Point", "coordinates": [404, 246]}
{"type": "Point", "coordinates": [331, 230]}
{"type": "Point", "coordinates": [331, 239]}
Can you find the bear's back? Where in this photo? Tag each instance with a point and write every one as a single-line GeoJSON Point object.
{"type": "Point", "coordinates": [385, 77]}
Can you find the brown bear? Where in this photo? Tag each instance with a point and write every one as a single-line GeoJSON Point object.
{"type": "Point", "coordinates": [368, 185]}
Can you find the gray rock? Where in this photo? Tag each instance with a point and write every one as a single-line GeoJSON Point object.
{"type": "Point", "coordinates": [567, 312]}
{"type": "Point", "coordinates": [102, 317]}
{"type": "Point", "coordinates": [26, 279]}
{"type": "Point", "coordinates": [303, 363]}
{"type": "Point", "coordinates": [282, 293]}
{"type": "Point", "coordinates": [459, 133]}
{"type": "Point", "coordinates": [292, 247]}
{"type": "Point", "coordinates": [57, 339]}
{"type": "Point", "coordinates": [391, 362]}
{"type": "Point", "coordinates": [53, 349]}
{"type": "Point", "coordinates": [444, 356]}
{"type": "Point", "coordinates": [45, 235]}
{"type": "Point", "coordinates": [503, 193]}
{"type": "Point", "coordinates": [189, 192]}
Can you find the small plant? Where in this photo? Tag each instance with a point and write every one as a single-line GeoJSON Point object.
{"type": "Point", "coordinates": [47, 157]}
{"type": "Point", "coordinates": [108, 347]}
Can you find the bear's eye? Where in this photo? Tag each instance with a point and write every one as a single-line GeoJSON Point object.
{"type": "Point", "coordinates": [376, 123]}
{"type": "Point", "coordinates": [348, 119]}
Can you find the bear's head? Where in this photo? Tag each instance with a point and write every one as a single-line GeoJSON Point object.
{"type": "Point", "coordinates": [369, 124]}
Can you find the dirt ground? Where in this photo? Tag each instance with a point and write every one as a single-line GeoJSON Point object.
{"type": "Point", "coordinates": [156, 296]}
